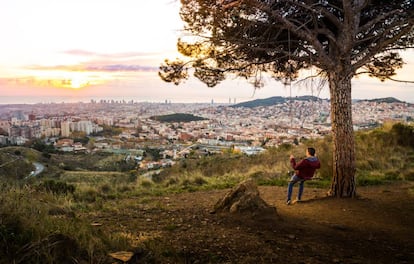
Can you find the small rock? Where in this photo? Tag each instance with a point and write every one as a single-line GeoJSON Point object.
{"type": "Point", "coordinates": [122, 255]}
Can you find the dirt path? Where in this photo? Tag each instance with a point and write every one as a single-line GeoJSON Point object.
{"type": "Point", "coordinates": [375, 228]}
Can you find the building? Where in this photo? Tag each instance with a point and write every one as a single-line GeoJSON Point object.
{"type": "Point", "coordinates": [65, 129]}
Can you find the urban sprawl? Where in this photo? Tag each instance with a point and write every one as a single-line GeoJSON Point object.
{"type": "Point", "coordinates": [247, 129]}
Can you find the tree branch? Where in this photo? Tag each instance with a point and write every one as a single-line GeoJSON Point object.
{"type": "Point", "coordinates": [302, 31]}
{"type": "Point", "coordinates": [381, 46]}
{"type": "Point", "coordinates": [362, 5]}
{"type": "Point", "coordinates": [383, 75]}
{"type": "Point", "coordinates": [376, 20]}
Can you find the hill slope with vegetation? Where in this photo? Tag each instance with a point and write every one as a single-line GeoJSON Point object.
{"type": "Point", "coordinates": [382, 154]}
{"type": "Point", "coordinates": [282, 100]}
{"type": "Point", "coordinates": [16, 162]}
{"type": "Point", "coordinates": [178, 117]}
{"type": "Point", "coordinates": [275, 100]}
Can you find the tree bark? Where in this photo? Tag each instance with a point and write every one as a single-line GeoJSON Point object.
{"type": "Point", "coordinates": [343, 180]}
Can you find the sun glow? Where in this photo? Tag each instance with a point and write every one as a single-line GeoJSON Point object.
{"type": "Point", "coordinates": [78, 83]}
{"type": "Point", "coordinates": [67, 80]}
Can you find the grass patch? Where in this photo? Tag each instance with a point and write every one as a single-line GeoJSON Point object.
{"type": "Point", "coordinates": [372, 178]}
{"type": "Point", "coordinates": [44, 228]}
{"type": "Point", "coordinates": [408, 175]}
{"type": "Point", "coordinates": [319, 183]}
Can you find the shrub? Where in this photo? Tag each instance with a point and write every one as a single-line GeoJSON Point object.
{"type": "Point", "coordinates": [404, 134]}
{"type": "Point", "coordinates": [171, 181]}
{"type": "Point", "coordinates": [370, 178]}
{"type": "Point", "coordinates": [105, 188]}
{"type": "Point", "coordinates": [158, 177]}
{"type": "Point", "coordinates": [198, 181]}
{"type": "Point", "coordinates": [56, 187]}
{"type": "Point", "coordinates": [146, 183]}
{"type": "Point", "coordinates": [392, 175]}
{"type": "Point", "coordinates": [368, 181]}
{"type": "Point", "coordinates": [124, 188]}
{"type": "Point", "coordinates": [89, 195]}
{"type": "Point", "coordinates": [46, 155]}
{"type": "Point", "coordinates": [13, 236]}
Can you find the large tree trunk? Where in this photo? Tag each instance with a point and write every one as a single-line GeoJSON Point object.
{"type": "Point", "coordinates": [343, 178]}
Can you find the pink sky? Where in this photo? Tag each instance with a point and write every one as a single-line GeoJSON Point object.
{"type": "Point", "coordinates": [102, 48]}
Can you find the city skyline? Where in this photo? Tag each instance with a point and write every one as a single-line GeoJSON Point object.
{"type": "Point", "coordinates": [81, 50]}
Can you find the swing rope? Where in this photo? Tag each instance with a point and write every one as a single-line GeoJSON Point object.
{"type": "Point", "coordinates": [289, 80]}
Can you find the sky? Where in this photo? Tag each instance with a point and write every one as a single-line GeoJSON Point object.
{"type": "Point", "coordinates": [77, 50]}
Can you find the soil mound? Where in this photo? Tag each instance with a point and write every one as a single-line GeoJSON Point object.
{"type": "Point", "coordinates": [244, 199]}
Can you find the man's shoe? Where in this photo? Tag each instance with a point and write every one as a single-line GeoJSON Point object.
{"type": "Point", "coordinates": [298, 201]}
{"type": "Point", "coordinates": [288, 202]}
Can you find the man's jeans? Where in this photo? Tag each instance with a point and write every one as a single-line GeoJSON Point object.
{"type": "Point", "coordinates": [292, 182]}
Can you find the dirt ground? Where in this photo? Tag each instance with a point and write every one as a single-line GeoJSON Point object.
{"type": "Point", "coordinates": [377, 227]}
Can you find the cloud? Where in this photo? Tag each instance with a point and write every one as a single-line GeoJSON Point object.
{"type": "Point", "coordinates": [96, 68]}
{"type": "Point", "coordinates": [116, 56]}
{"type": "Point", "coordinates": [78, 52]}
{"type": "Point", "coordinates": [121, 67]}
{"type": "Point", "coordinates": [104, 62]}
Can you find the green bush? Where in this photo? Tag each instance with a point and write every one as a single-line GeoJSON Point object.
{"type": "Point", "coordinates": [368, 181]}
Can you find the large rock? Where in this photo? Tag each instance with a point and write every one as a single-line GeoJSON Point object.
{"type": "Point", "coordinates": [244, 198]}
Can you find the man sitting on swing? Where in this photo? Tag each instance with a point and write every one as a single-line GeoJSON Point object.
{"type": "Point", "coordinates": [304, 171]}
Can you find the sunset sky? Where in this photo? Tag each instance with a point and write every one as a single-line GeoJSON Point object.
{"type": "Point", "coordinates": [81, 49]}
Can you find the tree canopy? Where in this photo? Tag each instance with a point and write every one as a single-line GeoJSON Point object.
{"type": "Point", "coordinates": [249, 37]}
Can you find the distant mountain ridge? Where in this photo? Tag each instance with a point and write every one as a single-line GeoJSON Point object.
{"type": "Point", "coordinates": [281, 100]}
{"type": "Point", "coordinates": [275, 100]}
{"type": "Point", "coordinates": [383, 100]}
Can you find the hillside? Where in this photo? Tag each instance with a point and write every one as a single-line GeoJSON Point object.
{"type": "Point", "coordinates": [274, 101]}
{"type": "Point", "coordinates": [180, 228]}
{"type": "Point", "coordinates": [178, 117]}
{"type": "Point", "coordinates": [281, 100]}
{"type": "Point", "coordinates": [16, 162]}
{"type": "Point", "coordinates": [77, 215]}
{"type": "Point", "coordinates": [388, 100]}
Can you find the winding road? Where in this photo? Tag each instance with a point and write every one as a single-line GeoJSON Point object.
{"type": "Point", "coordinates": [38, 169]}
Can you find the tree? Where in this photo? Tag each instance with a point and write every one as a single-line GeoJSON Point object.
{"type": "Point", "coordinates": [340, 38]}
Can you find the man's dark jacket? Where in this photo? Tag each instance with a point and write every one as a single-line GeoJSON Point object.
{"type": "Point", "coordinates": [306, 167]}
